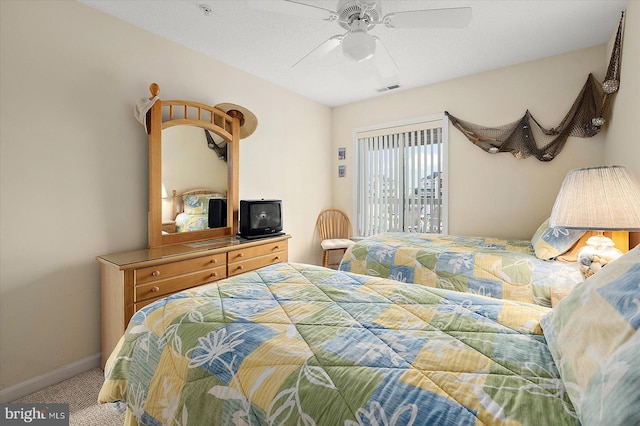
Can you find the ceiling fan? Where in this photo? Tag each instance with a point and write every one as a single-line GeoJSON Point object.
{"type": "Point", "coordinates": [358, 17]}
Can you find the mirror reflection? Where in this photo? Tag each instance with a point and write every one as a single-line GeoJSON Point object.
{"type": "Point", "coordinates": [194, 178]}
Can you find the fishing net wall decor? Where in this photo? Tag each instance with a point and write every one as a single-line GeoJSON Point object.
{"type": "Point", "coordinates": [219, 148]}
{"type": "Point", "coordinates": [526, 137]}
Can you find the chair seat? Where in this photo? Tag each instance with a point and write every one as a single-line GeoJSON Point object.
{"type": "Point", "coordinates": [334, 244]}
{"type": "Point", "coordinates": [334, 230]}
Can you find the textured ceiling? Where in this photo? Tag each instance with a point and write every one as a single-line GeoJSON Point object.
{"type": "Point", "coordinates": [267, 44]}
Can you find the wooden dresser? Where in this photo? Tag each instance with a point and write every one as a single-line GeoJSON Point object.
{"type": "Point", "coordinates": [133, 279]}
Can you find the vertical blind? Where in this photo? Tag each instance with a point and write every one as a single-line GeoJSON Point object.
{"type": "Point", "coordinates": [399, 179]}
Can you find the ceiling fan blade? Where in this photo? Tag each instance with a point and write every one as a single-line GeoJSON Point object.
{"type": "Point", "coordinates": [320, 51]}
{"type": "Point", "coordinates": [384, 64]}
{"type": "Point", "coordinates": [290, 7]}
{"type": "Point", "coordinates": [457, 17]}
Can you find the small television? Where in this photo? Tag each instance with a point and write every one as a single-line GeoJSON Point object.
{"type": "Point", "coordinates": [260, 218]}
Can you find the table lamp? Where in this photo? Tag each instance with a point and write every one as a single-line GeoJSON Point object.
{"type": "Point", "coordinates": [605, 198]}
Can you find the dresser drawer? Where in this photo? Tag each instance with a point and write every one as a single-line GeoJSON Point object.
{"type": "Point", "coordinates": [179, 283]}
{"type": "Point", "coordinates": [143, 303]}
{"type": "Point", "coordinates": [168, 270]}
{"type": "Point", "coordinates": [250, 252]}
{"type": "Point", "coordinates": [128, 283]}
{"type": "Point", "coordinates": [236, 268]}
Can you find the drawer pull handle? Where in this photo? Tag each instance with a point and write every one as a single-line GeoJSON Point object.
{"type": "Point", "coordinates": [240, 255]}
{"type": "Point", "coordinates": [276, 247]}
{"type": "Point", "coordinates": [277, 258]}
{"type": "Point", "coordinates": [214, 260]}
{"type": "Point", "coordinates": [214, 274]}
{"type": "Point", "coordinates": [240, 268]}
{"type": "Point", "coordinates": [155, 273]}
{"type": "Point", "coordinates": [155, 289]}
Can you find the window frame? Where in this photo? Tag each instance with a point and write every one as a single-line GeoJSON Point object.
{"type": "Point", "coordinates": [444, 122]}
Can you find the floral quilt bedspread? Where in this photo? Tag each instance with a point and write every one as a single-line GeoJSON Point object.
{"type": "Point", "coordinates": [191, 222]}
{"type": "Point", "coordinates": [504, 269]}
{"type": "Point", "coordinates": [294, 344]}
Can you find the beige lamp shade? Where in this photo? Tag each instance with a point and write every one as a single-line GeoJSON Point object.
{"type": "Point", "coordinates": [605, 198]}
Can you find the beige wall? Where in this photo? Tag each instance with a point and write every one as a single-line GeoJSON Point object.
{"type": "Point", "coordinates": [623, 134]}
{"type": "Point", "coordinates": [490, 195]}
{"type": "Point", "coordinates": [74, 165]}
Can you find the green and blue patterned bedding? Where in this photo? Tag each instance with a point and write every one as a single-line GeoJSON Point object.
{"type": "Point", "coordinates": [294, 344]}
{"type": "Point", "coordinates": [594, 339]}
{"type": "Point", "coordinates": [191, 222]}
{"type": "Point", "coordinates": [504, 269]}
{"type": "Point", "coordinates": [195, 216]}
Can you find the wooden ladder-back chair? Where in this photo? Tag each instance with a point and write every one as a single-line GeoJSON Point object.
{"type": "Point", "coordinates": [334, 229]}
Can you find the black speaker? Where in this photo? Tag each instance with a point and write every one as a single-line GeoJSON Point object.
{"type": "Point", "coordinates": [217, 213]}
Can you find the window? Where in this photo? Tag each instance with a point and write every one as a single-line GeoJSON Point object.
{"type": "Point", "coordinates": [401, 180]}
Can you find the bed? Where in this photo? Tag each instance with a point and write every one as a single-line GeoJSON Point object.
{"type": "Point", "coordinates": [295, 344]}
{"type": "Point", "coordinates": [520, 270]}
{"type": "Point", "coordinates": [192, 208]}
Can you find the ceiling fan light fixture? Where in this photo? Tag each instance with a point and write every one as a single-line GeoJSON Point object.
{"type": "Point", "coordinates": [360, 16]}
{"type": "Point", "coordinates": [358, 46]}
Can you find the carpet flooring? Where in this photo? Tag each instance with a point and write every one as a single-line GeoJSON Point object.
{"type": "Point", "coordinates": [81, 393]}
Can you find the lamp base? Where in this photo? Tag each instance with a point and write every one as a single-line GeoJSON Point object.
{"type": "Point", "coordinates": [598, 252]}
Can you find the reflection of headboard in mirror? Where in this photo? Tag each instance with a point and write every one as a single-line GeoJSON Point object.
{"type": "Point", "coordinates": [176, 199]}
{"type": "Point", "coordinates": [165, 114]}
{"type": "Point", "coordinates": [200, 212]}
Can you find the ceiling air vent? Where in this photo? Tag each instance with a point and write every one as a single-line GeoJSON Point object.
{"type": "Point", "coordinates": [387, 88]}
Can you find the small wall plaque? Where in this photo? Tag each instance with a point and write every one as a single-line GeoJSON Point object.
{"type": "Point", "coordinates": [342, 153]}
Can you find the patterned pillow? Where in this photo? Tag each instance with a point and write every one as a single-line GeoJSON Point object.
{"type": "Point", "coordinates": [549, 243]}
{"type": "Point", "coordinates": [196, 204]}
{"type": "Point", "coordinates": [594, 340]}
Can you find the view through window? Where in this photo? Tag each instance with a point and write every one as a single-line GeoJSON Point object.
{"type": "Point", "coordinates": [401, 177]}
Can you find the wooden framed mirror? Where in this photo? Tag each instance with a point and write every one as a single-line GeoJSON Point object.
{"type": "Point", "coordinates": [164, 115]}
